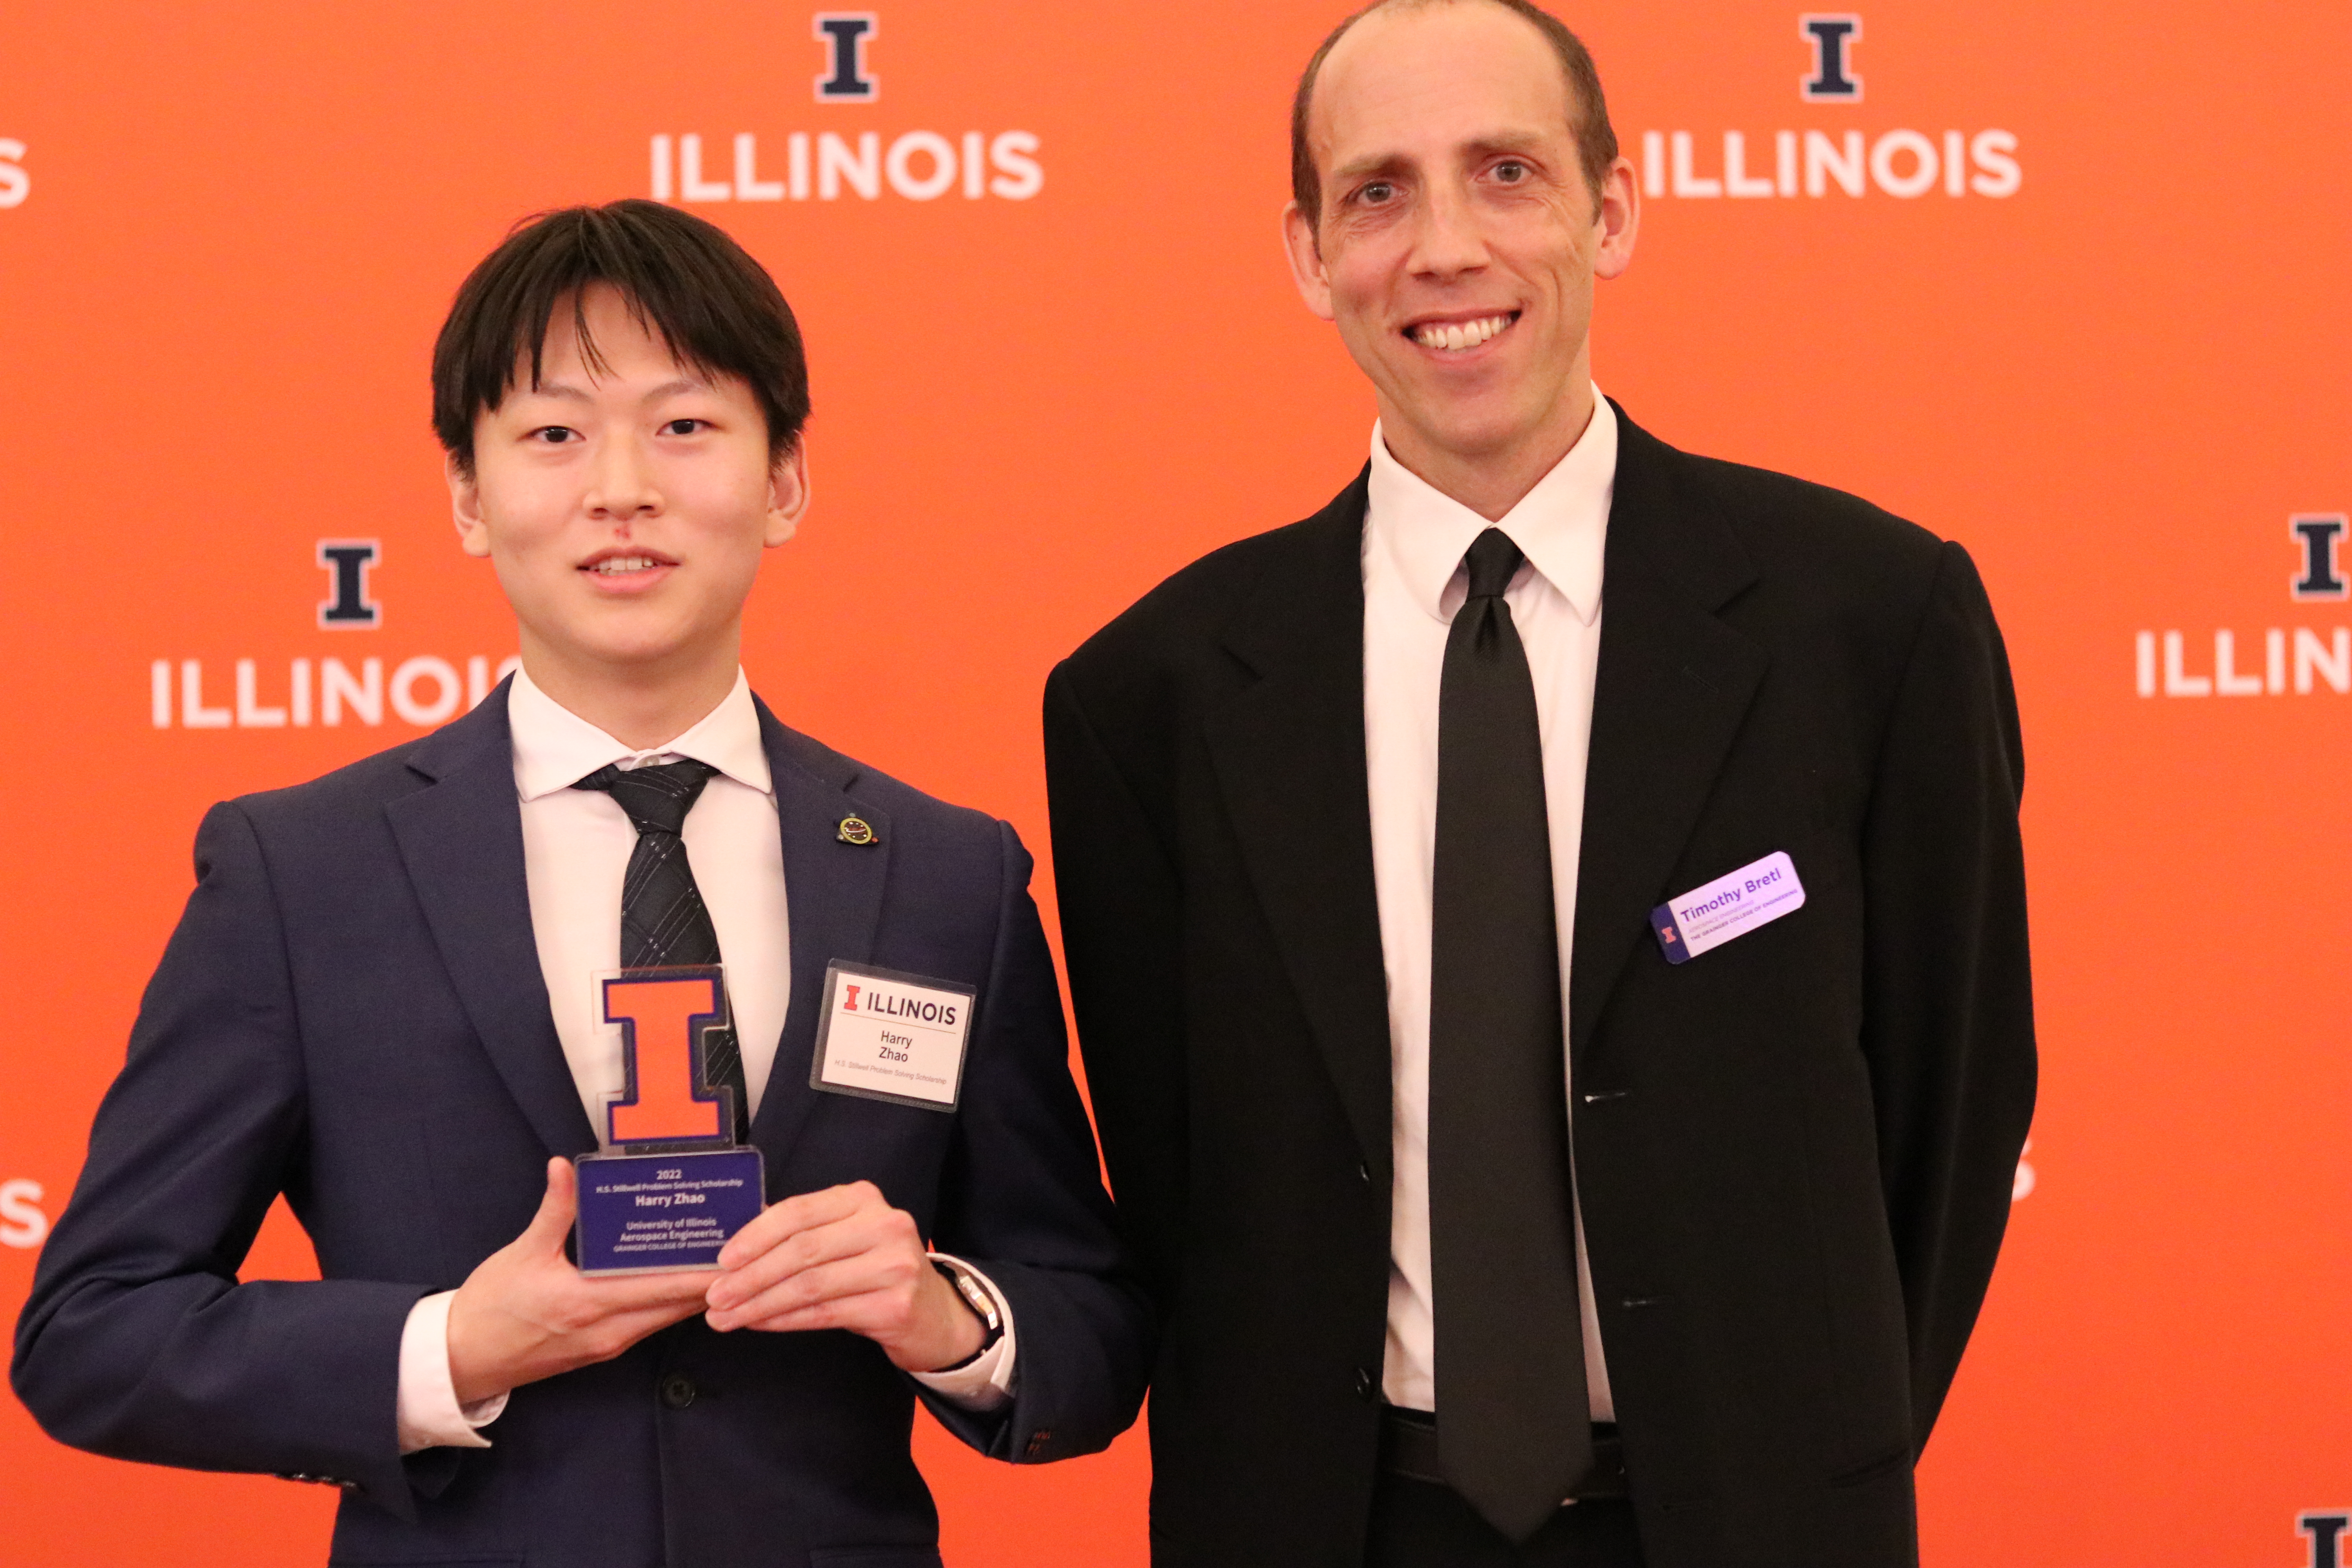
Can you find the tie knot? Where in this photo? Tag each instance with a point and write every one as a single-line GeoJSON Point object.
{"type": "Point", "coordinates": [656, 798]}
{"type": "Point", "coordinates": [1493, 561]}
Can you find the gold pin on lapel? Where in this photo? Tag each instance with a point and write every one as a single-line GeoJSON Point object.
{"type": "Point", "coordinates": [858, 830]}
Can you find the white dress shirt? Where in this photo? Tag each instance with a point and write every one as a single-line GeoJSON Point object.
{"type": "Point", "coordinates": [576, 849]}
{"type": "Point", "coordinates": [1414, 581]}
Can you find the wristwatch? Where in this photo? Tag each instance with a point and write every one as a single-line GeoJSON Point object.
{"type": "Point", "coordinates": [982, 1304]}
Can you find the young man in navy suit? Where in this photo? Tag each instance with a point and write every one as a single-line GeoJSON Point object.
{"type": "Point", "coordinates": [379, 1003]}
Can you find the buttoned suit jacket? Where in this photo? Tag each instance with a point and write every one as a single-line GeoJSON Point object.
{"type": "Point", "coordinates": [352, 1012]}
{"type": "Point", "coordinates": [1794, 1153]}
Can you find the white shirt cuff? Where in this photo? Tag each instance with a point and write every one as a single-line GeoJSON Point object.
{"type": "Point", "coordinates": [984, 1382]}
{"type": "Point", "coordinates": [427, 1411]}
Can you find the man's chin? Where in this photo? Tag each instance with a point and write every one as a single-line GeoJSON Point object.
{"type": "Point", "coordinates": [620, 648]}
{"type": "Point", "coordinates": [1476, 434]}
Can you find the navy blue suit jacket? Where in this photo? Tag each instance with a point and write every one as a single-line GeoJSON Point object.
{"type": "Point", "coordinates": [352, 1014]}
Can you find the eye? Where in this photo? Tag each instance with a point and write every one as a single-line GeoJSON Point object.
{"type": "Point", "coordinates": [682, 427]}
{"type": "Point", "coordinates": [1510, 171]}
{"type": "Point", "coordinates": [554, 434]}
{"type": "Point", "coordinates": [1377, 191]}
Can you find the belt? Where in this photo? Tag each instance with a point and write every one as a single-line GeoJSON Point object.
{"type": "Point", "coordinates": [1408, 1448]}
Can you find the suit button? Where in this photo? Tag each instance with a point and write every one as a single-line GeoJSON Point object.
{"type": "Point", "coordinates": [1364, 1173]}
{"type": "Point", "coordinates": [1364, 1384]}
{"type": "Point", "coordinates": [678, 1392]}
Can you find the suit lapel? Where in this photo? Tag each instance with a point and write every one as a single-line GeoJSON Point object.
{"type": "Point", "coordinates": [1673, 686]}
{"type": "Point", "coordinates": [834, 893]}
{"type": "Point", "coordinates": [461, 840]}
{"type": "Point", "coordinates": [1289, 752]}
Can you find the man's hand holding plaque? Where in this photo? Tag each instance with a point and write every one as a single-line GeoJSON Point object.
{"type": "Point", "coordinates": [843, 1258]}
{"type": "Point", "coordinates": [526, 1313]}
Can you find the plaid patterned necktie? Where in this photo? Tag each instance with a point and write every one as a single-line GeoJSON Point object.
{"type": "Point", "coordinates": [663, 921]}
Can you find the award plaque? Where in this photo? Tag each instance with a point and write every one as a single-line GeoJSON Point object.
{"type": "Point", "coordinates": [673, 1185]}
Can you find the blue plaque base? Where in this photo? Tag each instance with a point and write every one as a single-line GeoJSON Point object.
{"type": "Point", "coordinates": [653, 1213]}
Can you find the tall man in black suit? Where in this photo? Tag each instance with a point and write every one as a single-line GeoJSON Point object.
{"type": "Point", "coordinates": [1392, 868]}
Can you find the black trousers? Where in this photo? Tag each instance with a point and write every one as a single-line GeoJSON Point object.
{"type": "Point", "coordinates": [1420, 1524]}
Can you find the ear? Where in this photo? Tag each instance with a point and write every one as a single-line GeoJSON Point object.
{"type": "Point", "coordinates": [466, 507]}
{"type": "Point", "coordinates": [1616, 219]}
{"type": "Point", "coordinates": [1307, 270]}
{"type": "Point", "coordinates": [788, 494]}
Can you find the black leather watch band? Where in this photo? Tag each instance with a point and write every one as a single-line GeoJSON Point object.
{"type": "Point", "coordinates": [975, 1296]}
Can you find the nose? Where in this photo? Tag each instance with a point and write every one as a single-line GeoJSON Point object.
{"type": "Point", "coordinates": [1447, 238]}
{"type": "Point", "coordinates": [620, 482]}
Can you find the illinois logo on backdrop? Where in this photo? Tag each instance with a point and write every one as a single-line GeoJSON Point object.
{"type": "Point", "coordinates": [1830, 159]}
{"type": "Point", "coordinates": [354, 685]}
{"type": "Point", "coordinates": [23, 1222]}
{"type": "Point", "coordinates": [15, 183]}
{"type": "Point", "coordinates": [2324, 1528]}
{"type": "Point", "coordinates": [815, 162]}
{"type": "Point", "coordinates": [2310, 658]}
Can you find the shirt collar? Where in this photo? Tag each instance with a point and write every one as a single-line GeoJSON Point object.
{"type": "Point", "coordinates": [1561, 524]}
{"type": "Point", "coordinates": [555, 748]}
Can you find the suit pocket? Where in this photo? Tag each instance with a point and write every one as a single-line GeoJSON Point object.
{"type": "Point", "coordinates": [874, 1557]}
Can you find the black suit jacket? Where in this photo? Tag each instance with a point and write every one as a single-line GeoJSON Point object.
{"type": "Point", "coordinates": [1794, 1153]}
{"type": "Point", "coordinates": [351, 1012]}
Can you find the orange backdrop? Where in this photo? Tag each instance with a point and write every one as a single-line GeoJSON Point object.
{"type": "Point", "coordinates": [2112, 364]}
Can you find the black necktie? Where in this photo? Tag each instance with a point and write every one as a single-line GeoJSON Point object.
{"type": "Point", "coordinates": [1514, 1427]}
{"type": "Point", "coordinates": [663, 921]}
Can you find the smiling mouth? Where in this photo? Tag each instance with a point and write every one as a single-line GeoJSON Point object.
{"type": "Point", "coordinates": [1461, 337]}
{"type": "Point", "coordinates": [626, 565]}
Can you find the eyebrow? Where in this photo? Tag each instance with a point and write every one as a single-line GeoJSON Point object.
{"type": "Point", "coordinates": [1518, 141]}
{"type": "Point", "coordinates": [565, 390]}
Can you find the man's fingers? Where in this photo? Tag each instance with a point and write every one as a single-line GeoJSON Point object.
{"type": "Point", "coordinates": [634, 1326]}
{"type": "Point", "coordinates": [859, 1275]}
{"type": "Point", "coordinates": [613, 1335]}
{"type": "Point", "coordinates": [856, 1313]}
{"type": "Point", "coordinates": [552, 1222]}
{"type": "Point", "coordinates": [646, 1292]}
{"type": "Point", "coordinates": [804, 1211]}
{"type": "Point", "coordinates": [796, 1254]}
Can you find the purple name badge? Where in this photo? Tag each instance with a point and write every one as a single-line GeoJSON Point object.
{"type": "Point", "coordinates": [648, 1213]}
{"type": "Point", "coordinates": [1705, 918]}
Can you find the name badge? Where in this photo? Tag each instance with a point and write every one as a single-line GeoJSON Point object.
{"type": "Point", "coordinates": [888, 1035]}
{"type": "Point", "coordinates": [1707, 917]}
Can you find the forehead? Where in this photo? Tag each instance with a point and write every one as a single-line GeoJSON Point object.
{"type": "Point", "coordinates": [620, 340]}
{"type": "Point", "coordinates": [1419, 79]}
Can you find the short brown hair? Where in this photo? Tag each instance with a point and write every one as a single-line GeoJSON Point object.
{"type": "Point", "coordinates": [714, 306]}
{"type": "Point", "coordinates": [1596, 139]}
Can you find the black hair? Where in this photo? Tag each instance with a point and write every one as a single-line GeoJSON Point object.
{"type": "Point", "coordinates": [684, 278]}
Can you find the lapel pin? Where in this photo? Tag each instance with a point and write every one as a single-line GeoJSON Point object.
{"type": "Point", "coordinates": [858, 830]}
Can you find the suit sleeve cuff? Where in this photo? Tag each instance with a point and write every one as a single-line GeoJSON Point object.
{"type": "Point", "coordinates": [985, 1381]}
{"type": "Point", "coordinates": [428, 1411]}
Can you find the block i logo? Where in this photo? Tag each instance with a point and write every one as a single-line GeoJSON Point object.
{"type": "Point", "coordinates": [846, 79]}
{"type": "Point", "coordinates": [347, 606]}
{"type": "Point", "coordinates": [2324, 1528]}
{"type": "Point", "coordinates": [1833, 36]}
{"type": "Point", "coordinates": [2317, 576]}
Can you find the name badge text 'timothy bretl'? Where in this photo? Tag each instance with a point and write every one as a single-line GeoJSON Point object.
{"type": "Point", "coordinates": [888, 1035]}
{"type": "Point", "coordinates": [1755, 895]}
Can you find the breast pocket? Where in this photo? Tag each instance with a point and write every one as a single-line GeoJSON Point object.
{"type": "Point", "coordinates": [1795, 972]}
